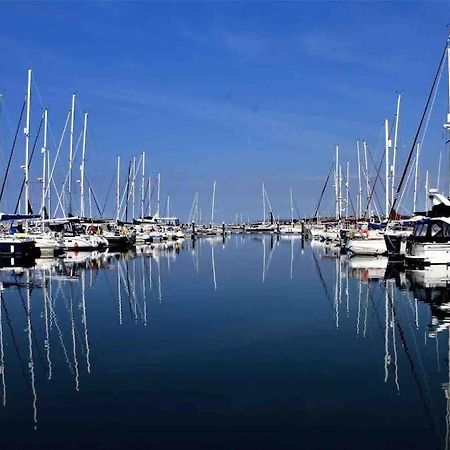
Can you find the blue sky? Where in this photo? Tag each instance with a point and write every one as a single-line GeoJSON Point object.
{"type": "Point", "coordinates": [237, 92]}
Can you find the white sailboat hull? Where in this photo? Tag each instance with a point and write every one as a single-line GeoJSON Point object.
{"type": "Point", "coordinates": [367, 247]}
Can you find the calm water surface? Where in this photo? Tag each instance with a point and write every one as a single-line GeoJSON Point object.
{"type": "Point", "coordinates": [257, 342]}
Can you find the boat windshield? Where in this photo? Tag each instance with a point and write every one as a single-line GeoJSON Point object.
{"type": "Point", "coordinates": [432, 229]}
{"type": "Point", "coordinates": [421, 229]}
{"type": "Point", "coordinates": [440, 229]}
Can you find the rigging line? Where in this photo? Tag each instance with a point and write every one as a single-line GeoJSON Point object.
{"type": "Point", "coordinates": [15, 344]}
{"type": "Point", "coordinates": [296, 208]}
{"type": "Point", "coordinates": [323, 190]}
{"type": "Point", "coordinates": [93, 194]}
{"type": "Point", "coordinates": [416, 137]}
{"type": "Point", "coordinates": [12, 150]}
{"type": "Point", "coordinates": [322, 280]}
{"type": "Point", "coordinates": [33, 334]}
{"type": "Point", "coordinates": [69, 170]}
{"type": "Point", "coordinates": [377, 176]}
{"type": "Point", "coordinates": [109, 191]}
{"type": "Point", "coordinates": [56, 156]}
{"type": "Point", "coordinates": [423, 137]}
{"type": "Point", "coordinates": [412, 367]}
{"type": "Point", "coordinates": [29, 163]}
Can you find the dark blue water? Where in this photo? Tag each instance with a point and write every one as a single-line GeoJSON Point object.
{"type": "Point", "coordinates": [254, 343]}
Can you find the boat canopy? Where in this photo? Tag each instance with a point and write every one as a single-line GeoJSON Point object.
{"type": "Point", "coordinates": [11, 217]}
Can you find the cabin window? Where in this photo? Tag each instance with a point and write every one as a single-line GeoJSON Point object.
{"type": "Point", "coordinates": [420, 230]}
{"type": "Point", "coordinates": [436, 229]}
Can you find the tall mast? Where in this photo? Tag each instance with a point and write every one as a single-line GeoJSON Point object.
{"type": "Point", "coordinates": [213, 201]}
{"type": "Point", "coordinates": [27, 142]}
{"type": "Point", "coordinates": [366, 167]}
{"type": "Point", "coordinates": [340, 191]}
{"type": "Point", "coordinates": [447, 124]}
{"type": "Point", "coordinates": [133, 185]}
{"type": "Point", "coordinates": [83, 158]}
{"type": "Point", "coordinates": [359, 181]}
{"type": "Point", "coordinates": [72, 121]}
{"type": "Point", "coordinates": [386, 157]}
{"type": "Point", "coordinates": [394, 152]}
{"type": "Point", "coordinates": [416, 170]}
{"type": "Point", "coordinates": [439, 171]}
{"type": "Point", "coordinates": [264, 203]}
{"type": "Point", "coordinates": [44, 164]}
{"type": "Point", "coordinates": [49, 182]}
{"type": "Point", "coordinates": [426, 191]}
{"type": "Point", "coordinates": [143, 185]}
{"type": "Point", "coordinates": [336, 182]}
{"type": "Point", "coordinates": [292, 208]}
{"type": "Point", "coordinates": [168, 206]}
{"type": "Point", "coordinates": [159, 194]}
{"type": "Point", "coordinates": [118, 189]}
{"type": "Point", "coordinates": [346, 189]}
{"type": "Point", "coordinates": [149, 190]}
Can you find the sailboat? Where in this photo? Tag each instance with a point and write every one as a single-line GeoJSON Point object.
{"type": "Point", "coordinates": [430, 241]}
{"type": "Point", "coordinates": [291, 228]}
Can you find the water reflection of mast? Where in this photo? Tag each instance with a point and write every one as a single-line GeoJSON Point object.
{"type": "Point", "coordinates": [359, 306]}
{"type": "Point", "coordinates": [292, 256]}
{"type": "Point", "coordinates": [447, 397]}
{"type": "Point", "coordinates": [159, 281]}
{"type": "Point", "coordinates": [119, 290]}
{"type": "Point", "coordinates": [2, 358]}
{"type": "Point", "coordinates": [74, 343]}
{"type": "Point", "coordinates": [394, 341]}
{"type": "Point", "coordinates": [386, 334]}
{"type": "Point", "coordinates": [213, 262]}
{"type": "Point", "coordinates": [337, 290]}
{"type": "Point", "coordinates": [144, 281]}
{"type": "Point", "coordinates": [46, 318]}
{"type": "Point", "coordinates": [84, 319]}
{"type": "Point", "coordinates": [264, 259]}
{"type": "Point", "coordinates": [30, 351]}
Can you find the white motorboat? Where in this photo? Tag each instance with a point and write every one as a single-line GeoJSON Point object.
{"type": "Point", "coordinates": [429, 243]}
{"type": "Point", "coordinates": [84, 242]}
